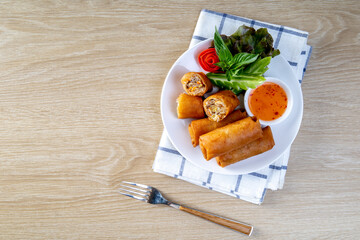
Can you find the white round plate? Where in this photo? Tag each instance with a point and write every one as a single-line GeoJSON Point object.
{"type": "Point", "coordinates": [177, 129]}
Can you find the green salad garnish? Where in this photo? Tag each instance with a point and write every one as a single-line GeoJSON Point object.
{"type": "Point", "coordinates": [243, 57]}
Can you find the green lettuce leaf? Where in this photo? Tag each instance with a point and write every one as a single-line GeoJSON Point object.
{"type": "Point", "coordinates": [247, 39]}
{"type": "Point", "coordinates": [220, 80]}
{"type": "Point", "coordinates": [246, 81]}
{"type": "Point", "coordinates": [237, 83]}
{"type": "Point", "coordinates": [243, 31]}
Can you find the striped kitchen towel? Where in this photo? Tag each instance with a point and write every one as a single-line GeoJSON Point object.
{"type": "Point", "coordinates": [252, 186]}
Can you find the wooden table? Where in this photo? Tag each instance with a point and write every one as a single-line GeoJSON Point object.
{"type": "Point", "coordinates": [79, 113]}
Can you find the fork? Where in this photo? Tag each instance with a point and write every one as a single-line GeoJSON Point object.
{"type": "Point", "coordinates": [151, 195]}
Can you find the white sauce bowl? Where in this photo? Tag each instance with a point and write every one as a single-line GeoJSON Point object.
{"type": "Point", "coordinates": [289, 102]}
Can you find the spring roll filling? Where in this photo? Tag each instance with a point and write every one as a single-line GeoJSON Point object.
{"type": "Point", "coordinates": [195, 84]}
{"type": "Point", "coordinates": [216, 109]}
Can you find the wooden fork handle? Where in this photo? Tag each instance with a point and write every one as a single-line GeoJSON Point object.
{"type": "Point", "coordinates": [235, 225]}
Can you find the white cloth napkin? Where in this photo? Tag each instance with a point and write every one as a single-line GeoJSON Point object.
{"type": "Point", "coordinates": [249, 187]}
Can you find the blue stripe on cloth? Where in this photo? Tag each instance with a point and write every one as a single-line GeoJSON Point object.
{"type": "Point", "coordinates": [169, 150]}
{"type": "Point", "coordinates": [307, 60]}
{"type": "Point", "coordinates": [278, 167]}
{"type": "Point", "coordinates": [239, 18]}
{"type": "Point", "coordinates": [304, 70]}
{"type": "Point", "coordinates": [182, 166]}
{"type": "Point", "coordinates": [252, 23]}
{"type": "Point", "coordinates": [213, 12]}
{"type": "Point", "coordinates": [263, 195]}
{"type": "Point", "coordinates": [209, 177]}
{"type": "Point", "coordinates": [303, 52]}
{"type": "Point", "coordinates": [228, 16]}
{"type": "Point", "coordinates": [276, 44]}
{"type": "Point", "coordinates": [266, 26]}
{"type": "Point", "coordinates": [308, 57]}
{"type": "Point", "coordinates": [258, 175]}
{"type": "Point", "coordinates": [237, 196]}
{"type": "Point", "coordinates": [237, 185]}
{"type": "Point", "coordinates": [222, 22]}
{"type": "Point", "coordinates": [299, 34]}
{"type": "Point", "coordinates": [199, 38]}
{"type": "Point", "coordinates": [293, 63]}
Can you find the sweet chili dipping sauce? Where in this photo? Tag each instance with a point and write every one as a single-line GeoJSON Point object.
{"type": "Point", "coordinates": [268, 101]}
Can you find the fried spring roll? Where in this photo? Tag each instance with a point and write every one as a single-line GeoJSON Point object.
{"type": "Point", "coordinates": [230, 137]}
{"type": "Point", "coordinates": [256, 147]}
{"type": "Point", "coordinates": [189, 106]}
{"type": "Point", "coordinates": [220, 104]}
{"type": "Point", "coordinates": [202, 126]}
{"type": "Point", "coordinates": [196, 83]}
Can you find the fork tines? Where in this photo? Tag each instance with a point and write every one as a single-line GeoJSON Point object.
{"type": "Point", "coordinates": [140, 192]}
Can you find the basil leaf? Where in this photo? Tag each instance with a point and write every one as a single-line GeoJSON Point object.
{"type": "Point", "coordinates": [241, 59]}
{"type": "Point", "coordinates": [221, 64]}
{"type": "Point", "coordinates": [259, 67]}
{"type": "Point", "coordinates": [238, 71]}
{"type": "Point", "coordinates": [222, 50]}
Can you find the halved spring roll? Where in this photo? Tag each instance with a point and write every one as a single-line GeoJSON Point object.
{"type": "Point", "coordinates": [230, 137]}
{"type": "Point", "coordinates": [261, 145]}
{"type": "Point", "coordinates": [196, 83]}
{"type": "Point", "coordinates": [189, 106]}
{"type": "Point", "coordinates": [202, 126]}
{"type": "Point", "coordinates": [220, 104]}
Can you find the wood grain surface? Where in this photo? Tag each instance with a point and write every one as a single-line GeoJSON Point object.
{"type": "Point", "coordinates": [80, 85]}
